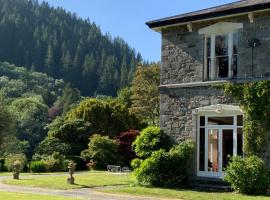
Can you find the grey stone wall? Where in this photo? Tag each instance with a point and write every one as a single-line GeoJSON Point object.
{"type": "Point", "coordinates": [183, 52]}
{"type": "Point", "coordinates": [182, 62]}
{"type": "Point", "coordinates": [177, 105]}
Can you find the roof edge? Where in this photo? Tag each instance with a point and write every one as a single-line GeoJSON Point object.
{"type": "Point", "coordinates": [204, 16]}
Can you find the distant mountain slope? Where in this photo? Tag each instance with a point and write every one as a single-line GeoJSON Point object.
{"type": "Point", "coordinates": [18, 82]}
{"type": "Point", "coordinates": [62, 45]}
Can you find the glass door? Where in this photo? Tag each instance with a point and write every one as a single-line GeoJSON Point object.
{"type": "Point", "coordinates": [219, 138]}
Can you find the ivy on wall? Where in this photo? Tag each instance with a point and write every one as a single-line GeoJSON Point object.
{"type": "Point", "coordinates": [254, 99]}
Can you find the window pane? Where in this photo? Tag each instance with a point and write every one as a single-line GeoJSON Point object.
{"type": "Point", "coordinates": [234, 65]}
{"type": "Point", "coordinates": [227, 147]}
{"type": "Point", "coordinates": [202, 150]}
{"type": "Point", "coordinates": [202, 121]}
{"type": "Point", "coordinates": [220, 120]}
{"type": "Point", "coordinates": [213, 150]}
{"type": "Point", "coordinates": [208, 47]}
{"type": "Point", "coordinates": [221, 45]}
{"type": "Point", "coordinates": [235, 43]}
{"type": "Point", "coordinates": [240, 141]}
{"type": "Point", "coordinates": [222, 64]}
{"type": "Point", "coordinates": [239, 120]}
{"type": "Point", "coordinates": [208, 68]}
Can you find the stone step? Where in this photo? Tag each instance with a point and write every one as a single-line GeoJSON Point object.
{"type": "Point", "coordinates": [213, 188]}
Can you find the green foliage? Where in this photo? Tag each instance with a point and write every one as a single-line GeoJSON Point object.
{"type": "Point", "coordinates": [254, 98]}
{"type": "Point", "coordinates": [11, 158]}
{"type": "Point", "coordinates": [31, 118]}
{"type": "Point", "coordinates": [103, 151]}
{"type": "Point", "coordinates": [54, 163]}
{"type": "Point", "coordinates": [6, 121]}
{"type": "Point", "coordinates": [38, 166]}
{"type": "Point", "coordinates": [151, 139]}
{"type": "Point", "coordinates": [69, 98]}
{"type": "Point", "coordinates": [107, 117]}
{"type": "Point", "coordinates": [72, 132]}
{"type": "Point", "coordinates": [124, 96]}
{"type": "Point", "coordinates": [59, 43]}
{"type": "Point", "coordinates": [166, 169]}
{"type": "Point", "coordinates": [248, 175]}
{"type": "Point", "coordinates": [145, 94]}
{"type": "Point", "coordinates": [50, 145]}
{"type": "Point", "coordinates": [19, 82]}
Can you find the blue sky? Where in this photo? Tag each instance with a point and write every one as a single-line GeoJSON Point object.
{"type": "Point", "coordinates": [126, 18]}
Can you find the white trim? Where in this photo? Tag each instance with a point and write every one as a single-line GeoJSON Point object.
{"type": "Point", "coordinates": [221, 28]}
{"type": "Point", "coordinates": [219, 110]}
{"type": "Point", "coordinates": [230, 54]}
{"type": "Point", "coordinates": [213, 58]}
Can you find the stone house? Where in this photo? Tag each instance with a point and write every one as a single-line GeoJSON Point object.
{"type": "Point", "coordinates": [228, 43]}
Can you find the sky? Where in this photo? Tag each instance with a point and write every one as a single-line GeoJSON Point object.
{"type": "Point", "coordinates": [127, 18]}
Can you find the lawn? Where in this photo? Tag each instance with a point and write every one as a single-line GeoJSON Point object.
{"type": "Point", "coordinates": [182, 194]}
{"type": "Point", "coordinates": [90, 179]}
{"type": "Point", "coordinates": [22, 196]}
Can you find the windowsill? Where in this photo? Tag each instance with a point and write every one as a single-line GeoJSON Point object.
{"type": "Point", "coordinates": [212, 83]}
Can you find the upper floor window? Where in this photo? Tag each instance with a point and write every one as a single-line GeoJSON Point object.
{"type": "Point", "coordinates": [221, 41]}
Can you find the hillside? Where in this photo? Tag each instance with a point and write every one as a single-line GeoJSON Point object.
{"type": "Point", "coordinates": [64, 46]}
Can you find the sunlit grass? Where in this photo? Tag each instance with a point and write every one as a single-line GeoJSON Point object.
{"type": "Point", "coordinates": [90, 179]}
{"type": "Point", "coordinates": [182, 194]}
{"type": "Point", "coordinates": [24, 196]}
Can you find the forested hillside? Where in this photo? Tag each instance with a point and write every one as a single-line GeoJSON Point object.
{"type": "Point", "coordinates": [45, 39]}
{"type": "Point", "coordinates": [34, 99]}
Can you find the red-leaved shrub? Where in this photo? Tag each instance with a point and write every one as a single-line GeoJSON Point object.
{"type": "Point", "coordinates": [125, 141]}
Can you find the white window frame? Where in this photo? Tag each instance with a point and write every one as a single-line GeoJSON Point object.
{"type": "Point", "coordinates": [221, 28]}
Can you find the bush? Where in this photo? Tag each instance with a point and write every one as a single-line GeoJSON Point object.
{"type": "Point", "coordinates": [55, 162]}
{"type": "Point", "coordinates": [106, 116]}
{"type": "Point", "coordinates": [248, 175]}
{"type": "Point", "coordinates": [11, 158]}
{"type": "Point", "coordinates": [102, 150]}
{"type": "Point", "coordinates": [125, 141]}
{"type": "Point", "coordinates": [151, 139]}
{"type": "Point", "coordinates": [166, 169]}
{"type": "Point", "coordinates": [38, 166]}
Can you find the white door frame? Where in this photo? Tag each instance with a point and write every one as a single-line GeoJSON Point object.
{"type": "Point", "coordinates": [220, 128]}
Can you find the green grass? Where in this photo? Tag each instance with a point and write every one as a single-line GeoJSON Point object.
{"type": "Point", "coordinates": [24, 196]}
{"type": "Point", "coordinates": [90, 179]}
{"type": "Point", "coordinates": [182, 194]}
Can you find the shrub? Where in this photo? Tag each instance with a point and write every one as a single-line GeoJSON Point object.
{"type": "Point", "coordinates": [125, 141]}
{"type": "Point", "coordinates": [50, 145]}
{"type": "Point", "coordinates": [102, 150]}
{"type": "Point", "coordinates": [151, 139]}
{"type": "Point", "coordinates": [166, 169]}
{"type": "Point", "coordinates": [106, 116]}
{"type": "Point", "coordinates": [11, 158]}
{"type": "Point", "coordinates": [55, 162]}
{"type": "Point", "coordinates": [248, 175]}
{"type": "Point", "coordinates": [38, 166]}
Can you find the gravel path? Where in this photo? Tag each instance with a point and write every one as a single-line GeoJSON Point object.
{"type": "Point", "coordinates": [84, 193]}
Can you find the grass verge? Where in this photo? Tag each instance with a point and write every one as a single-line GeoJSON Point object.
{"type": "Point", "coordinates": [182, 194]}
{"type": "Point", "coordinates": [90, 179]}
{"type": "Point", "coordinates": [24, 196]}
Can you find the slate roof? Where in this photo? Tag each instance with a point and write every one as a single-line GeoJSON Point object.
{"type": "Point", "coordinates": [218, 11]}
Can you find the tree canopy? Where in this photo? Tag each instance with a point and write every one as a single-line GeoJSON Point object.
{"type": "Point", "coordinates": [52, 40]}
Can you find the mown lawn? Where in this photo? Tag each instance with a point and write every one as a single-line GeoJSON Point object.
{"type": "Point", "coordinates": [23, 196]}
{"type": "Point", "coordinates": [90, 179]}
{"type": "Point", "coordinates": [182, 194]}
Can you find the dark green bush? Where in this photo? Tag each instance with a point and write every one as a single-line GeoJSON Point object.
{"type": "Point", "coordinates": [103, 151]}
{"type": "Point", "coordinates": [38, 166]}
{"type": "Point", "coordinates": [166, 169]}
{"type": "Point", "coordinates": [151, 139]}
{"type": "Point", "coordinates": [248, 175]}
